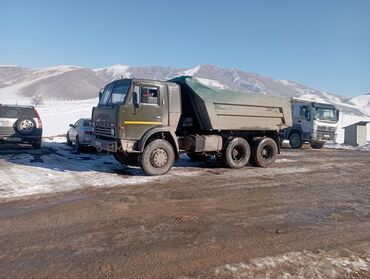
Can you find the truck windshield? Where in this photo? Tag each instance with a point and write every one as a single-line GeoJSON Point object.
{"type": "Point", "coordinates": [114, 93]}
{"type": "Point", "coordinates": [326, 114]}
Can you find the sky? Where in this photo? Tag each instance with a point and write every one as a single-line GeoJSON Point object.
{"type": "Point", "coordinates": [322, 44]}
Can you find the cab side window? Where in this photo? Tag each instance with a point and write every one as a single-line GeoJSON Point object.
{"type": "Point", "coordinates": [149, 95]}
{"type": "Point", "coordinates": [305, 112]}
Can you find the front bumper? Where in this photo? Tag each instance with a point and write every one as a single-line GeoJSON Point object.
{"type": "Point", "coordinates": [323, 136]}
{"type": "Point", "coordinates": [106, 145]}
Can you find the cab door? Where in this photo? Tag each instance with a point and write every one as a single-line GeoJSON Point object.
{"type": "Point", "coordinates": [305, 121]}
{"type": "Point", "coordinates": [145, 110]}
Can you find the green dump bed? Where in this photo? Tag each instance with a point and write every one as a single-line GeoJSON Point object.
{"type": "Point", "coordinates": [218, 109]}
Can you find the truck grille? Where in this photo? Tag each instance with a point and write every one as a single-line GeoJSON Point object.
{"type": "Point", "coordinates": [104, 131]}
{"type": "Point", "coordinates": [326, 128]}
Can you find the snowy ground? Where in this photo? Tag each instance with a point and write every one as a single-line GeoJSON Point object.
{"type": "Point", "coordinates": [57, 168]}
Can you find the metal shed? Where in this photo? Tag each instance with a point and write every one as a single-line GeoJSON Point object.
{"type": "Point", "coordinates": [356, 134]}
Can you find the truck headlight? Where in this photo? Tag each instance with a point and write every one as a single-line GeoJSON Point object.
{"type": "Point", "coordinates": [112, 131]}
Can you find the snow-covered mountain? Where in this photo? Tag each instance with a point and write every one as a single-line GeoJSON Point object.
{"type": "Point", "coordinates": [362, 102]}
{"type": "Point", "coordinates": [19, 84]}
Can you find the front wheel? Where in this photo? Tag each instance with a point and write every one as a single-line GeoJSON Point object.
{"type": "Point", "coordinates": [158, 157]}
{"type": "Point", "coordinates": [264, 152]}
{"type": "Point", "coordinates": [295, 140]}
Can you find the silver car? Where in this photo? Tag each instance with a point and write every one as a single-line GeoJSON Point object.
{"type": "Point", "coordinates": [80, 134]}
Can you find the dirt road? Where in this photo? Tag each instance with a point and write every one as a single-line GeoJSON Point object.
{"type": "Point", "coordinates": [305, 217]}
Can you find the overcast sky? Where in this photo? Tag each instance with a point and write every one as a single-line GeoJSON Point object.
{"type": "Point", "coordinates": [322, 44]}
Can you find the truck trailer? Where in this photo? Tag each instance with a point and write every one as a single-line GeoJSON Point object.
{"type": "Point", "coordinates": [313, 122]}
{"type": "Point", "coordinates": [149, 123]}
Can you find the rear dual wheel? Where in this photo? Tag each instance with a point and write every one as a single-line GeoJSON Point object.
{"type": "Point", "coordinates": [264, 152]}
{"type": "Point", "coordinates": [236, 154]}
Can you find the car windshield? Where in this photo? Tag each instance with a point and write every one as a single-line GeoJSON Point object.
{"type": "Point", "coordinates": [326, 114]}
{"type": "Point", "coordinates": [114, 93]}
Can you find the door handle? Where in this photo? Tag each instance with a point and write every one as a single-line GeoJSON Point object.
{"type": "Point", "coordinates": [299, 121]}
{"type": "Point", "coordinates": [157, 117]}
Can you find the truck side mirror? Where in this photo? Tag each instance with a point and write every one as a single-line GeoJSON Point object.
{"type": "Point", "coordinates": [135, 100]}
{"type": "Point", "coordinates": [100, 94]}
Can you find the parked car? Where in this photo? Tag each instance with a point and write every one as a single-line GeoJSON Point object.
{"type": "Point", "coordinates": [20, 124]}
{"type": "Point", "coordinates": [80, 134]}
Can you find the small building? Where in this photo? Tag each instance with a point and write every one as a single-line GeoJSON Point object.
{"type": "Point", "coordinates": [356, 134]}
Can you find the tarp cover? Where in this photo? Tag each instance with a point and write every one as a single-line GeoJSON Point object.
{"type": "Point", "coordinates": [223, 109]}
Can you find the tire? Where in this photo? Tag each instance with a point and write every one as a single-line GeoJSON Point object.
{"type": "Point", "coordinates": [126, 159]}
{"type": "Point", "coordinates": [78, 146]}
{"type": "Point", "coordinates": [236, 154]}
{"type": "Point", "coordinates": [318, 145]}
{"type": "Point", "coordinates": [158, 157]}
{"type": "Point", "coordinates": [295, 140]}
{"type": "Point", "coordinates": [264, 152]}
{"type": "Point", "coordinates": [199, 157]}
{"type": "Point", "coordinates": [36, 145]}
{"type": "Point", "coordinates": [69, 142]}
{"type": "Point", "coordinates": [25, 126]}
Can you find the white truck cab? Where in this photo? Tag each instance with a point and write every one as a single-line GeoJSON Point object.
{"type": "Point", "coordinates": [313, 122]}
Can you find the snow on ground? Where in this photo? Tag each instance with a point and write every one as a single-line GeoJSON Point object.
{"type": "Point", "coordinates": [305, 264]}
{"type": "Point", "coordinates": [348, 147]}
{"type": "Point", "coordinates": [57, 168]}
{"type": "Point", "coordinates": [56, 116]}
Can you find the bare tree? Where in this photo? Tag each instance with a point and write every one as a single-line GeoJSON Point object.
{"type": "Point", "coordinates": [37, 100]}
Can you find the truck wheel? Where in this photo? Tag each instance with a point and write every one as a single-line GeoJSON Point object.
{"type": "Point", "coordinates": [264, 152]}
{"type": "Point", "coordinates": [295, 141]}
{"type": "Point", "coordinates": [158, 157]}
{"type": "Point", "coordinates": [236, 154]}
{"type": "Point", "coordinates": [317, 145]}
{"type": "Point", "coordinates": [126, 159]}
{"type": "Point", "coordinates": [199, 157]}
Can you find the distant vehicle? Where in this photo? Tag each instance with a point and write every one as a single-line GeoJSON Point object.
{"type": "Point", "coordinates": [80, 134]}
{"type": "Point", "coordinates": [149, 123]}
{"type": "Point", "coordinates": [313, 123]}
{"type": "Point", "coordinates": [20, 124]}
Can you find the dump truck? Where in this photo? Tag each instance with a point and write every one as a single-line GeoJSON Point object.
{"type": "Point", "coordinates": [313, 122]}
{"type": "Point", "coordinates": [149, 123]}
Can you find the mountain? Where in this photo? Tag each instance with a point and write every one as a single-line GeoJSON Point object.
{"type": "Point", "coordinates": [19, 84]}
{"type": "Point", "coordinates": [362, 102]}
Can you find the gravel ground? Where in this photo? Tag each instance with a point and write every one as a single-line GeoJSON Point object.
{"type": "Point", "coordinates": [308, 216]}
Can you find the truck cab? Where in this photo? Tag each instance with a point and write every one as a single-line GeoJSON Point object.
{"type": "Point", "coordinates": [130, 111]}
{"type": "Point", "coordinates": [314, 123]}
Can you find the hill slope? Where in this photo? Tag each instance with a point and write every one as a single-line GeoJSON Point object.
{"type": "Point", "coordinates": [19, 84]}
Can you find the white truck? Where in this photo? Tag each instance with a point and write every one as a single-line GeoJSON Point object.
{"type": "Point", "coordinates": [314, 123]}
